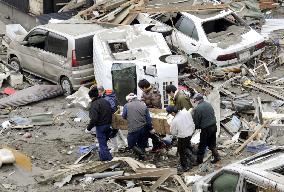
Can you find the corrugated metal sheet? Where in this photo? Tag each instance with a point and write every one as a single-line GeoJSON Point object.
{"type": "Point", "coordinates": [22, 5]}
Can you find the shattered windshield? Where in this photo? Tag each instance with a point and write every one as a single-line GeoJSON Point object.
{"type": "Point", "coordinates": [225, 29]}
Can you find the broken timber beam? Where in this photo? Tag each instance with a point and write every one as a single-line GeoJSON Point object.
{"type": "Point", "coordinates": [171, 9]}
{"type": "Point", "coordinates": [239, 149]}
{"type": "Point", "coordinates": [271, 92]}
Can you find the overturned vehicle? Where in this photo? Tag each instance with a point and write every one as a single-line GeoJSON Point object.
{"type": "Point", "coordinates": [126, 54]}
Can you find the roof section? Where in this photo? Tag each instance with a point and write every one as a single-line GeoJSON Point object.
{"type": "Point", "coordinates": [73, 29]}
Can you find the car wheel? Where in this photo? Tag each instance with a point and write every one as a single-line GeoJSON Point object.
{"type": "Point", "coordinates": [66, 86]}
{"type": "Point", "coordinates": [174, 59]}
{"type": "Point", "coordinates": [164, 30]}
{"type": "Point", "coordinates": [15, 64]}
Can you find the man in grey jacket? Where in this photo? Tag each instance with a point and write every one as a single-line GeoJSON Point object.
{"type": "Point", "coordinates": [204, 119]}
{"type": "Point", "coordinates": [139, 124]}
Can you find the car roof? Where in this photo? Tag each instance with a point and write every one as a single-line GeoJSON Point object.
{"type": "Point", "coordinates": [72, 29]}
{"type": "Point", "coordinates": [264, 164]}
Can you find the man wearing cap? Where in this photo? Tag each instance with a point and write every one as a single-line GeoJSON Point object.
{"type": "Point", "coordinates": [183, 127]}
{"type": "Point", "coordinates": [179, 98]}
{"type": "Point", "coordinates": [100, 117]}
{"type": "Point", "coordinates": [152, 98]}
{"type": "Point", "coordinates": [204, 119]}
{"type": "Point", "coordinates": [139, 123]}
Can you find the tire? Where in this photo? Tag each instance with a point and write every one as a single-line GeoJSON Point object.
{"type": "Point", "coordinates": [15, 64]}
{"type": "Point", "coordinates": [66, 85]}
{"type": "Point", "coordinates": [164, 30]}
{"type": "Point", "coordinates": [174, 59]}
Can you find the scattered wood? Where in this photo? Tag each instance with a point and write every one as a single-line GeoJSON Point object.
{"type": "Point", "coordinates": [172, 9]}
{"type": "Point", "coordinates": [239, 149]}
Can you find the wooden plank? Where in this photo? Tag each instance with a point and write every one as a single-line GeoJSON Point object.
{"type": "Point", "coordinates": [130, 17]}
{"type": "Point", "coordinates": [122, 15]}
{"type": "Point", "coordinates": [183, 185]}
{"type": "Point", "coordinates": [161, 180]}
{"type": "Point", "coordinates": [171, 9]}
{"type": "Point", "coordinates": [239, 149]}
{"type": "Point", "coordinates": [113, 5]}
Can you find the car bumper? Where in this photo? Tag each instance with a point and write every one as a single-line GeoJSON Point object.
{"type": "Point", "coordinates": [85, 81]}
{"type": "Point", "coordinates": [238, 60]}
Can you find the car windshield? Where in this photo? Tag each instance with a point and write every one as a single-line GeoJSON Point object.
{"type": "Point", "coordinates": [225, 29]}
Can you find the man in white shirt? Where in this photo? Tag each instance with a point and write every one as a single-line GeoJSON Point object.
{"type": "Point", "coordinates": [182, 127]}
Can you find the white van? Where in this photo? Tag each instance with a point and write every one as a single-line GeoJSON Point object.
{"type": "Point", "coordinates": [126, 54]}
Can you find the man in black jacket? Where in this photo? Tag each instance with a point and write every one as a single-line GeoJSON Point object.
{"type": "Point", "coordinates": [101, 117]}
{"type": "Point", "coordinates": [204, 119]}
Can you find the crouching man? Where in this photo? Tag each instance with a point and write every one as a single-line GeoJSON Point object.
{"type": "Point", "coordinates": [139, 124]}
{"type": "Point", "coordinates": [101, 117]}
{"type": "Point", "coordinates": [183, 127]}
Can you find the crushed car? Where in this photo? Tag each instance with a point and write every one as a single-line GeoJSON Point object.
{"type": "Point", "coordinates": [220, 38]}
{"type": "Point", "coordinates": [263, 172]}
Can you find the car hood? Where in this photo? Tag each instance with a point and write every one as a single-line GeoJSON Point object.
{"type": "Point", "coordinates": [236, 39]}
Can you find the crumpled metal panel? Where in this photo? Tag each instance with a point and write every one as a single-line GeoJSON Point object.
{"type": "Point", "coordinates": [30, 95]}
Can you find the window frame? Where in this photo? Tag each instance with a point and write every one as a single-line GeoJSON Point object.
{"type": "Point", "coordinates": [44, 32]}
{"type": "Point", "coordinates": [56, 34]}
{"type": "Point", "coordinates": [221, 173]}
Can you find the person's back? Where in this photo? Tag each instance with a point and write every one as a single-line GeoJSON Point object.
{"type": "Point", "coordinates": [136, 115]}
{"type": "Point", "coordinates": [111, 98]}
{"type": "Point", "coordinates": [183, 124]}
{"type": "Point", "coordinates": [102, 108]}
{"type": "Point", "coordinates": [181, 101]}
{"type": "Point", "coordinates": [204, 115]}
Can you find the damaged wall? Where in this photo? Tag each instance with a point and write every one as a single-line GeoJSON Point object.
{"type": "Point", "coordinates": [36, 7]}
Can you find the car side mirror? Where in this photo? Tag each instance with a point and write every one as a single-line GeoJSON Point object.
{"type": "Point", "coordinates": [24, 42]}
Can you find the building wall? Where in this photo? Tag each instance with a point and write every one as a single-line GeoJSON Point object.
{"type": "Point", "coordinates": [17, 16]}
{"type": "Point", "coordinates": [36, 7]}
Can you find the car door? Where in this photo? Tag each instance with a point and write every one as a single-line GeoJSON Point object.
{"type": "Point", "coordinates": [55, 57]}
{"type": "Point", "coordinates": [31, 54]}
{"type": "Point", "coordinates": [185, 35]}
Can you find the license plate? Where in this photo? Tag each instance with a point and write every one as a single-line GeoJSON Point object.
{"type": "Point", "coordinates": [244, 55]}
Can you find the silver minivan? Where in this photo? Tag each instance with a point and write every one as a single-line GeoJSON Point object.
{"type": "Point", "coordinates": [59, 52]}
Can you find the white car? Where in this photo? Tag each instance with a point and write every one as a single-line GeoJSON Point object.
{"type": "Point", "coordinates": [263, 172]}
{"type": "Point", "coordinates": [221, 38]}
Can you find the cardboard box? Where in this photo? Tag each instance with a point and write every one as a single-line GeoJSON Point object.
{"type": "Point", "coordinates": [161, 126]}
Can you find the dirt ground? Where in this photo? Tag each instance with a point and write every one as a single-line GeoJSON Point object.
{"type": "Point", "coordinates": [51, 147]}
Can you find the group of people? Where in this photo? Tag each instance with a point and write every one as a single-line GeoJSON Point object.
{"type": "Point", "coordinates": [140, 129]}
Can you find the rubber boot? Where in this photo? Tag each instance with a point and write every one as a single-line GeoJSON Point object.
{"type": "Point", "coordinates": [139, 152]}
{"type": "Point", "coordinates": [216, 156]}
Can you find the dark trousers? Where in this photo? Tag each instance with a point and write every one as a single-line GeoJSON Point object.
{"type": "Point", "coordinates": [138, 138]}
{"type": "Point", "coordinates": [183, 146]}
{"type": "Point", "coordinates": [207, 139]}
{"type": "Point", "coordinates": [103, 134]}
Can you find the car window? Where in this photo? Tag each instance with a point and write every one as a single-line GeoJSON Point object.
{"type": "Point", "coordinates": [36, 38]}
{"type": "Point", "coordinates": [84, 50]}
{"type": "Point", "coordinates": [57, 44]}
{"type": "Point", "coordinates": [251, 187]}
{"type": "Point", "coordinates": [225, 182]}
{"type": "Point", "coordinates": [187, 27]}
